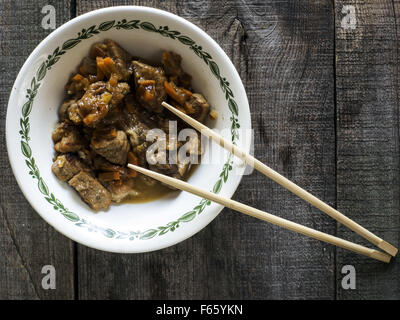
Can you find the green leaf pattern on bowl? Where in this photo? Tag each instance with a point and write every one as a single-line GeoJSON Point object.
{"type": "Point", "coordinates": [35, 85]}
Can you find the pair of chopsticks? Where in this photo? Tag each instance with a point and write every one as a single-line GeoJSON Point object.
{"type": "Point", "coordinates": [262, 215]}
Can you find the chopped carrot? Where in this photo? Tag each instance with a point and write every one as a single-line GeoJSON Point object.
{"type": "Point", "coordinates": [180, 95]}
{"type": "Point", "coordinates": [77, 77]}
{"type": "Point", "coordinates": [171, 91]}
{"type": "Point", "coordinates": [100, 62]}
{"type": "Point", "coordinates": [187, 92]}
{"type": "Point", "coordinates": [146, 82]}
{"type": "Point", "coordinates": [109, 64]}
{"type": "Point", "coordinates": [106, 65]}
{"type": "Point", "coordinates": [148, 96]}
{"type": "Point", "coordinates": [113, 80]}
{"type": "Point", "coordinates": [109, 176]}
{"type": "Point", "coordinates": [100, 67]}
{"type": "Point", "coordinates": [108, 61]}
{"type": "Point", "coordinates": [92, 118]}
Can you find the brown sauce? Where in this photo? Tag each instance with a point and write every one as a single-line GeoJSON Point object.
{"type": "Point", "coordinates": [156, 191]}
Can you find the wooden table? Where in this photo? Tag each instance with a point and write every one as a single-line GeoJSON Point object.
{"type": "Point", "coordinates": [325, 109]}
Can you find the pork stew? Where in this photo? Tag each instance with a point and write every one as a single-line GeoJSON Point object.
{"type": "Point", "coordinates": [112, 102]}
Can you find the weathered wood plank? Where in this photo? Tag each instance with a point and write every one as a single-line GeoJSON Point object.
{"type": "Point", "coordinates": [284, 54]}
{"type": "Point", "coordinates": [289, 81]}
{"type": "Point", "coordinates": [367, 94]}
{"type": "Point", "coordinates": [27, 243]}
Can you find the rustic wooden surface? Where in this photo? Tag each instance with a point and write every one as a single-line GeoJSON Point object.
{"type": "Point", "coordinates": [367, 95]}
{"type": "Point", "coordinates": [325, 110]}
{"type": "Point", "coordinates": [26, 243]}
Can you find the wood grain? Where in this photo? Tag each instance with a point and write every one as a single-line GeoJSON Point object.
{"type": "Point", "coordinates": [285, 59]}
{"type": "Point", "coordinates": [295, 61]}
{"type": "Point", "coordinates": [27, 242]}
{"type": "Point", "coordinates": [367, 88]}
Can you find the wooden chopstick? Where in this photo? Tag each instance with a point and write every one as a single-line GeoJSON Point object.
{"type": "Point", "coordinates": [286, 183]}
{"type": "Point", "coordinates": [262, 215]}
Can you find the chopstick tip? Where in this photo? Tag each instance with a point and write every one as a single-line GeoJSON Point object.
{"type": "Point", "coordinates": [387, 247]}
{"type": "Point", "coordinates": [381, 256]}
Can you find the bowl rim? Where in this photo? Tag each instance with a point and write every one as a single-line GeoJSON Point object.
{"type": "Point", "coordinates": [25, 68]}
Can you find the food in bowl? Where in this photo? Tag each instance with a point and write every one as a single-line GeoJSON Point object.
{"type": "Point", "coordinates": [113, 102]}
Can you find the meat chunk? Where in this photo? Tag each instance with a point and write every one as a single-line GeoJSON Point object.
{"type": "Point", "coordinates": [91, 191]}
{"type": "Point", "coordinates": [178, 94]}
{"type": "Point", "coordinates": [197, 107]}
{"type": "Point", "coordinates": [105, 124]}
{"type": "Point", "coordinates": [121, 57]}
{"type": "Point", "coordinates": [77, 85]}
{"type": "Point", "coordinates": [88, 66]}
{"type": "Point", "coordinates": [171, 62]}
{"type": "Point", "coordinates": [192, 150]}
{"type": "Point", "coordinates": [63, 110]}
{"type": "Point", "coordinates": [113, 119]}
{"type": "Point", "coordinates": [118, 93]}
{"type": "Point", "coordinates": [186, 153]}
{"type": "Point", "coordinates": [94, 104]}
{"type": "Point", "coordinates": [113, 147]}
{"type": "Point", "coordinates": [183, 168]}
{"type": "Point", "coordinates": [67, 138]}
{"type": "Point", "coordinates": [74, 114]}
{"type": "Point", "coordinates": [101, 164]}
{"type": "Point", "coordinates": [193, 104]}
{"type": "Point", "coordinates": [137, 131]}
{"type": "Point", "coordinates": [149, 82]}
{"type": "Point", "coordinates": [161, 162]}
{"type": "Point", "coordinates": [122, 189]}
{"type": "Point", "coordinates": [165, 168]}
{"type": "Point", "coordinates": [177, 170]}
{"type": "Point", "coordinates": [98, 99]}
{"type": "Point", "coordinates": [86, 156]}
{"type": "Point", "coordinates": [66, 166]}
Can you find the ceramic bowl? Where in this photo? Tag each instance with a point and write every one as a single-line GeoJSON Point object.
{"type": "Point", "coordinates": [32, 115]}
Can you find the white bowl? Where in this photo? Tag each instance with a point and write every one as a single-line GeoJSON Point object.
{"type": "Point", "coordinates": [32, 114]}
